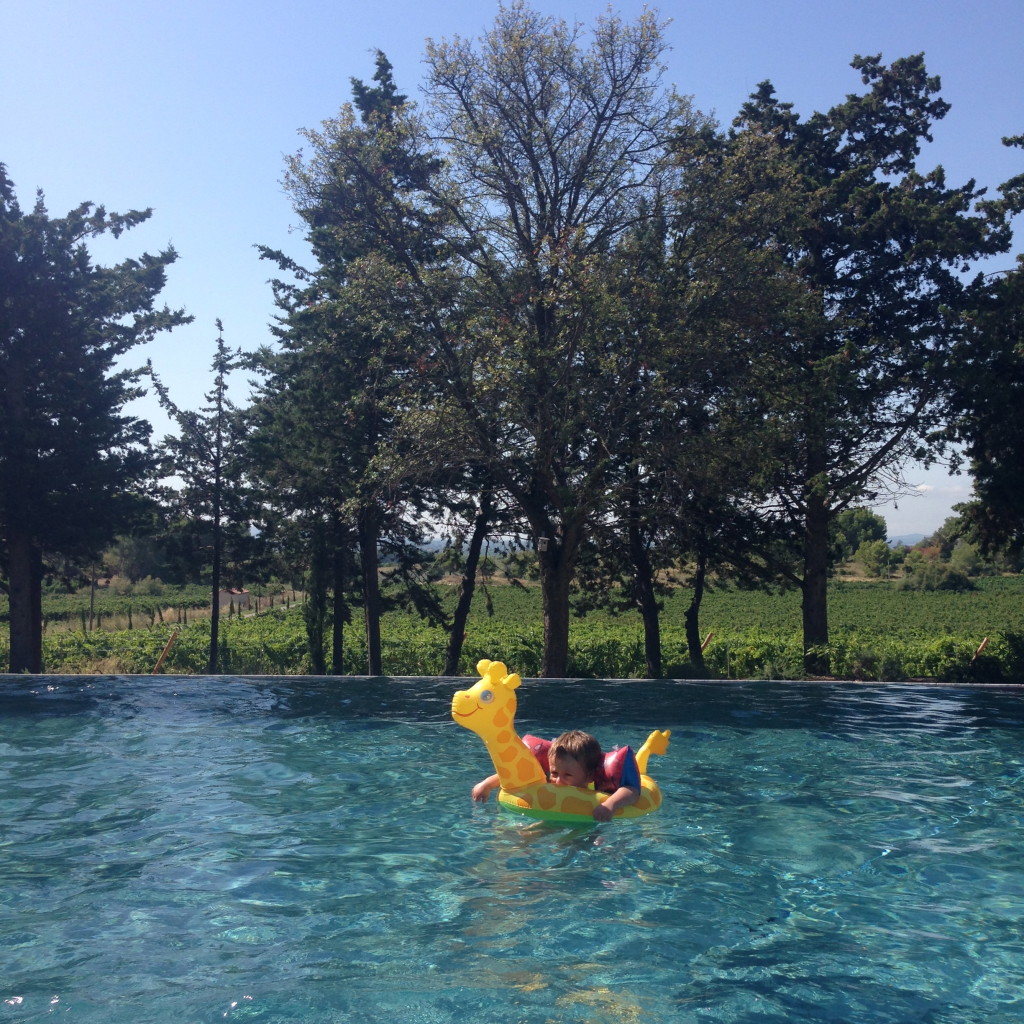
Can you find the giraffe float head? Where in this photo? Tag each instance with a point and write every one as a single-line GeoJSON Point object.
{"type": "Point", "coordinates": [489, 709]}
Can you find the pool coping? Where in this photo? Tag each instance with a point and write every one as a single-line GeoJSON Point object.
{"type": "Point", "coordinates": [457, 680]}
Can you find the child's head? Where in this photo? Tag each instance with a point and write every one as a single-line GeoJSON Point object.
{"type": "Point", "coordinates": [574, 758]}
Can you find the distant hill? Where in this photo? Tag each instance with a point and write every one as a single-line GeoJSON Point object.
{"type": "Point", "coordinates": [907, 540]}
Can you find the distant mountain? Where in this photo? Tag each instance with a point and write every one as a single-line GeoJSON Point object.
{"type": "Point", "coordinates": [907, 540]}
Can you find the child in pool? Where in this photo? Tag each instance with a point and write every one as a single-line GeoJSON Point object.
{"type": "Point", "coordinates": [575, 759]}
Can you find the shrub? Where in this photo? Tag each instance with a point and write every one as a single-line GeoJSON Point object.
{"type": "Point", "coordinates": [934, 575]}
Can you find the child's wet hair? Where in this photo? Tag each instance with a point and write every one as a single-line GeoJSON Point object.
{"type": "Point", "coordinates": [581, 746]}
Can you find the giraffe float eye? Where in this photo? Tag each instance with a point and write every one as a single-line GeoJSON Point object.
{"type": "Point", "coordinates": [486, 696]}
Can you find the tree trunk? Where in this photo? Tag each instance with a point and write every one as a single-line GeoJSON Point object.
{"type": "Point", "coordinates": [340, 608]}
{"type": "Point", "coordinates": [815, 588]}
{"type": "Point", "coordinates": [555, 591]}
{"type": "Point", "coordinates": [25, 578]}
{"type": "Point", "coordinates": [371, 590]}
{"type": "Point", "coordinates": [481, 524]}
{"type": "Point", "coordinates": [212, 666]}
{"type": "Point", "coordinates": [646, 601]}
{"type": "Point", "coordinates": [314, 609]}
{"type": "Point", "coordinates": [691, 617]}
{"type": "Point", "coordinates": [555, 579]}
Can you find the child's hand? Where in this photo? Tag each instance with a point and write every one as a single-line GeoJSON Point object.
{"type": "Point", "coordinates": [482, 790]}
{"type": "Point", "coordinates": [622, 797]}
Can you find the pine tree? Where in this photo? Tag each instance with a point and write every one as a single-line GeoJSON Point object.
{"type": "Point", "coordinates": [331, 394]}
{"type": "Point", "coordinates": [207, 459]}
{"type": "Point", "coordinates": [71, 460]}
{"type": "Point", "coordinates": [879, 249]}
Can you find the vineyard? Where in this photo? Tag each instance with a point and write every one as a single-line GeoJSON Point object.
{"type": "Point", "coordinates": [877, 632]}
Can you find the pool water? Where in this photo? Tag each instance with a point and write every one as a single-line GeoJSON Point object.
{"type": "Point", "coordinates": [293, 850]}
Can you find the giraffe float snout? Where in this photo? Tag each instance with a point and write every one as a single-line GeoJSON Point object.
{"type": "Point", "coordinates": [464, 704]}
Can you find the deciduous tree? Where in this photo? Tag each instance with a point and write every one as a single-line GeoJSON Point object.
{"type": "Point", "coordinates": [488, 267]}
{"type": "Point", "coordinates": [555, 145]}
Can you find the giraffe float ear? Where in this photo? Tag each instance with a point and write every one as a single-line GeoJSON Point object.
{"type": "Point", "coordinates": [511, 681]}
{"type": "Point", "coordinates": [492, 670]}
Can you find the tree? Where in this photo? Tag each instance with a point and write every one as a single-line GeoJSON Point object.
{"type": "Point", "coordinates": [853, 527]}
{"type": "Point", "coordinates": [879, 249]}
{"type": "Point", "coordinates": [554, 152]}
{"type": "Point", "coordinates": [207, 456]}
{"type": "Point", "coordinates": [561, 147]}
{"type": "Point", "coordinates": [965, 559]}
{"type": "Point", "coordinates": [484, 271]}
{"type": "Point", "coordinates": [136, 555]}
{"type": "Point", "coordinates": [945, 538]}
{"type": "Point", "coordinates": [70, 459]}
{"type": "Point", "coordinates": [302, 454]}
{"type": "Point", "coordinates": [330, 398]}
{"type": "Point", "coordinates": [876, 557]}
{"type": "Point", "coordinates": [987, 405]}
{"type": "Point", "coordinates": [700, 284]}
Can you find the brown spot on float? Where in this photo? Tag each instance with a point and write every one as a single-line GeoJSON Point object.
{"type": "Point", "coordinates": [578, 805]}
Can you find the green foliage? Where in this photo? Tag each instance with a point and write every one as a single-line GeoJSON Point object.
{"type": "Point", "coordinates": [932, 574]}
{"type": "Point", "coordinates": [209, 502]}
{"type": "Point", "coordinates": [135, 556]}
{"type": "Point", "coordinates": [557, 301]}
{"type": "Point", "coordinates": [148, 601]}
{"type": "Point", "coordinates": [325, 441]}
{"type": "Point", "coordinates": [881, 249]}
{"type": "Point", "coordinates": [879, 632]}
{"type": "Point", "coordinates": [987, 374]}
{"type": "Point", "coordinates": [854, 527]}
{"type": "Point", "coordinates": [266, 645]}
{"type": "Point", "coordinates": [69, 458]}
{"type": "Point", "coordinates": [966, 559]}
{"type": "Point", "coordinates": [877, 557]}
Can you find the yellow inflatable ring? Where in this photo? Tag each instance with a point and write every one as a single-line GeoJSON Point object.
{"type": "Point", "coordinates": [548, 802]}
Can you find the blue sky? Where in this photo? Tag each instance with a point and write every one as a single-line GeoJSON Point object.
{"type": "Point", "coordinates": [190, 107]}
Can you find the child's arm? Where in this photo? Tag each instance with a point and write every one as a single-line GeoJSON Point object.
{"type": "Point", "coordinates": [482, 790]}
{"type": "Point", "coordinates": [622, 797]}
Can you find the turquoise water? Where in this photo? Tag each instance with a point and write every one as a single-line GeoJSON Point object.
{"type": "Point", "coordinates": [305, 850]}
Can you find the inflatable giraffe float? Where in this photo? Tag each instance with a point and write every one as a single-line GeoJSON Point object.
{"type": "Point", "coordinates": [489, 709]}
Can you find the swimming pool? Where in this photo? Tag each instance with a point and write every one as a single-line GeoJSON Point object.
{"type": "Point", "coordinates": [291, 850]}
